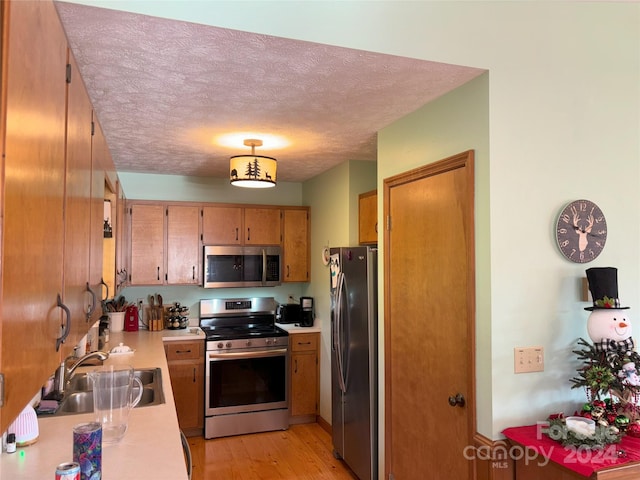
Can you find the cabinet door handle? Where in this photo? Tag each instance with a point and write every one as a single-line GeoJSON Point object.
{"type": "Point", "coordinates": [158, 273]}
{"type": "Point", "coordinates": [193, 277]}
{"type": "Point", "coordinates": [94, 303]}
{"type": "Point", "coordinates": [288, 271]}
{"type": "Point", "coordinates": [194, 374]}
{"type": "Point", "coordinates": [248, 233]}
{"type": "Point", "coordinates": [67, 325]}
{"type": "Point", "coordinates": [296, 368]}
{"type": "Point", "coordinates": [106, 286]}
{"type": "Point", "coordinates": [237, 231]}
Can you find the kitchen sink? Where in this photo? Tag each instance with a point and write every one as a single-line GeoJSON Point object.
{"type": "Point", "coordinates": [79, 394]}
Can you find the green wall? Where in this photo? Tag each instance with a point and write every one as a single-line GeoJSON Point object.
{"type": "Point", "coordinates": [139, 186]}
{"type": "Point", "coordinates": [454, 123]}
{"type": "Point", "coordinates": [564, 123]}
{"type": "Point", "coordinates": [333, 198]}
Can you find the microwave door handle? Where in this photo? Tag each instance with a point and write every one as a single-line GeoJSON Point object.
{"type": "Point", "coordinates": [264, 266]}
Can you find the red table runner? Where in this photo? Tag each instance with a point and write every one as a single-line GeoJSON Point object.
{"type": "Point", "coordinates": [576, 458]}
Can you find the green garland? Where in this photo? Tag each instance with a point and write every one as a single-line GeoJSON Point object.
{"type": "Point", "coordinates": [558, 431]}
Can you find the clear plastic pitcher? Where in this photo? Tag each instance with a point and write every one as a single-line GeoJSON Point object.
{"type": "Point", "coordinates": [113, 399]}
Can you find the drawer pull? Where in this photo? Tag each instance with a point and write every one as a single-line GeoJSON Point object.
{"type": "Point", "coordinates": [304, 343]}
{"type": "Point", "coordinates": [183, 351]}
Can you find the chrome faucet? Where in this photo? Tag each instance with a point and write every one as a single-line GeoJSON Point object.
{"type": "Point", "coordinates": [65, 372]}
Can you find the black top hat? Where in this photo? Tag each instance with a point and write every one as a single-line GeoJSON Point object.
{"type": "Point", "coordinates": [603, 285]}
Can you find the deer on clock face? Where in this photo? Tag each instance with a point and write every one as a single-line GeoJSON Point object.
{"type": "Point", "coordinates": [581, 231]}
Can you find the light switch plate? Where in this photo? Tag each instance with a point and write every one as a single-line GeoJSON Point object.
{"type": "Point", "coordinates": [528, 359]}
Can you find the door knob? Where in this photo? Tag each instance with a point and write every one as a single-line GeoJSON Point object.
{"type": "Point", "coordinates": [457, 400]}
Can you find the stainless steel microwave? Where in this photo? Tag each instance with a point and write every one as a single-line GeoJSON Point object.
{"type": "Point", "coordinates": [241, 266]}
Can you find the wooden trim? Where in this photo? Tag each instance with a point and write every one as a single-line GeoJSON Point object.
{"type": "Point", "coordinates": [326, 426]}
{"type": "Point", "coordinates": [134, 201]}
{"type": "Point", "coordinates": [462, 160]}
{"type": "Point", "coordinates": [492, 461]}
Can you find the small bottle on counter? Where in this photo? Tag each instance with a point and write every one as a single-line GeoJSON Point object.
{"type": "Point", "coordinates": [11, 443]}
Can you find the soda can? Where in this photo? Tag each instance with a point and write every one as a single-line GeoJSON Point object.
{"type": "Point", "coordinates": [68, 471]}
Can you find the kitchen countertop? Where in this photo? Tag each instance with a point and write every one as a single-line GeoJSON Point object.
{"type": "Point", "coordinates": [185, 334]}
{"type": "Point", "coordinates": [151, 448]}
{"type": "Point", "coordinates": [296, 328]}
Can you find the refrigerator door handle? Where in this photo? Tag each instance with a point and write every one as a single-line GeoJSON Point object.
{"type": "Point", "coordinates": [338, 333]}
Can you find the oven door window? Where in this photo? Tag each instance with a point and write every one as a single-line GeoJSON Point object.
{"type": "Point", "coordinates": [247, 382]}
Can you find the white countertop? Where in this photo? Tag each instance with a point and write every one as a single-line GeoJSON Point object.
{"type": "Point", "coordinates": [151, 448]}
{"type": "Point", "coordinates": [296, 328]}
{"type": "Point", "coordinates": [185, 334]}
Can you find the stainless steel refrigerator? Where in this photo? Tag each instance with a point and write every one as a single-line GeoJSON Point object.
{"type": "Point", "coordinates": [354, 359]}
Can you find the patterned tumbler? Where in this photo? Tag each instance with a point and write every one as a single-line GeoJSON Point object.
{"type": "Point", "coordinates": [87, 450]}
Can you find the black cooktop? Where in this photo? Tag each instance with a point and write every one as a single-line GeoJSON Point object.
{"type": "Point", "coordinates": [231, 332]}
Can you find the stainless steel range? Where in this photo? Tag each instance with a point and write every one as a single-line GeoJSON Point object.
{"type": "Point", "coordinates": [247, 360]}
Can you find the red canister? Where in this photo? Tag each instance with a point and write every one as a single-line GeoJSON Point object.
{"type": "Point", "coordinates": [131, 319]}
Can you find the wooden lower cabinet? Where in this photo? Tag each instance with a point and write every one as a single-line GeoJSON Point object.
{"type": "Point", "coordinates": [305, 377]}
{"type": "Point", "coordinates": [186, 369]}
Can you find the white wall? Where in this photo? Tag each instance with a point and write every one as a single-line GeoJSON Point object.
{"type": "Point", "coordinates": [563, 114]}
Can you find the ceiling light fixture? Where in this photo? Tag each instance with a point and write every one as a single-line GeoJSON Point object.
{"type": "Point", "coordinates": [253, 171]}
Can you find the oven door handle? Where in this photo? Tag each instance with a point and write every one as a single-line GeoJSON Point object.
{"type": "Point", "coordinates": [234, 355]}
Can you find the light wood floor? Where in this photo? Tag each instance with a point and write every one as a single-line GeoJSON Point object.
{"type": "Point", "coordinates": [302, 452]}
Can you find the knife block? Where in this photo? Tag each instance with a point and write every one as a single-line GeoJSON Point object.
{"type": "Point", "coordinates": [155, 318]}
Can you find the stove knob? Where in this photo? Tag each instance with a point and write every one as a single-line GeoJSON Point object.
{"type": "Point", "coordinates": [228, 345]}
{"type": "Point", "coordinates": [248, 343]}
{"type": "Point", "coordinates": [275, 340]}
{"type": "Point", "coordinates": [220, 345]}
{"type": "Point", "coordinates": [267, 341]}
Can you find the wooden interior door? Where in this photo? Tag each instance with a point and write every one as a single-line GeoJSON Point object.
{"type": "Point", "coordinates": [429, 320]}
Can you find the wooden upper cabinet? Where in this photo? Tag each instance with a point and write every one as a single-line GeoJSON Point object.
{"type": "Point", "coordinates": [123, 241]}
{"type": "Point", "coordinates": [147, 244]}
{"type": "Point", "coordinates": [183, 244]}
{"type": "Point", "coordinates": [77, 207]}
{"type": "Point", "coordinates": [262, 226]}
{"type": "Point", "coordinates": [295, 245]}
{"type": "Point", "coordinates": [222, 225]}
{"type": "Point", "coordinates": [33, 109]}
{"type": "Point", "coordinates": [368, 218]}
{"type": "Point", "coordinates": [235, 225]}
{"type": "Point", "coordinates": [100, 162]}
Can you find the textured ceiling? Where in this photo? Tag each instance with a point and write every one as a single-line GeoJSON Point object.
{"type": "Point", "coordinates": [165, 91]}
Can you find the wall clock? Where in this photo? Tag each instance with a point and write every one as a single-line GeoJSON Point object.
{"type": "Point", "coordinates": [581, 231]}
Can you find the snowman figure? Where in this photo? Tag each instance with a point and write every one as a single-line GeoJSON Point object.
{"type": "Point", "coordinates": [608, 324]}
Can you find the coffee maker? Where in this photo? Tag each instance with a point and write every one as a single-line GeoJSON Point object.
{"type": "Point", "coordinates": [306, 311]}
